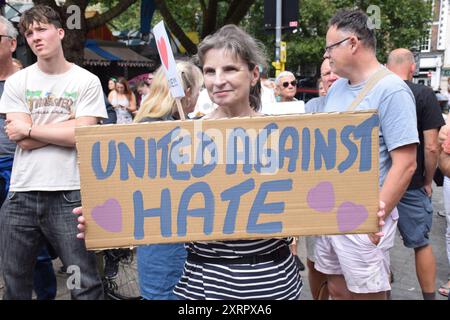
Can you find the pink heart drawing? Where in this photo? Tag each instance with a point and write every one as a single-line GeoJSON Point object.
{"type": "Point", "coordinates": [321, 197]}
{"type": "Point", "coordinates": [109, 215]}
{"type": "Point", "coordinates": [350, 216]}
{"type": "Point", "coordinates": [161, 43]}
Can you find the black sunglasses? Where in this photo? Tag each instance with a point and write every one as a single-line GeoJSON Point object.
{"type": "Point", "coordinates": [293, 83]}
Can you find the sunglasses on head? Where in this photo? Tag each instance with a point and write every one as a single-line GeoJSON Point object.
{"type": "Point", "coordinates": [286, 84]}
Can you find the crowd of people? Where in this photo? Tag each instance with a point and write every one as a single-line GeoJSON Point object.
{"type": "Point", "coordinates": [41, 216]}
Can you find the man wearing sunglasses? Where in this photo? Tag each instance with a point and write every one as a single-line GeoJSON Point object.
{"type": "Point", "coordinates": [357, 266]}
{"type": "Point", "coordinates": [286, 86]}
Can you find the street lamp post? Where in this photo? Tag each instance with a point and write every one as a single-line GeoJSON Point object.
{"type": "Point", "coordinates": [277, 63]}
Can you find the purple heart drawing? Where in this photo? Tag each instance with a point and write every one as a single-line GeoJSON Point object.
{"type": "Point", "coordinates": [109, 215]}
{"type": "Point", "coordinates": [350, 216]}
{"type": "Point", "coordinates": [321, 197]}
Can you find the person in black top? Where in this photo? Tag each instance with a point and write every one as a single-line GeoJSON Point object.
{"type": "Point", "coordinates": [415, 207]}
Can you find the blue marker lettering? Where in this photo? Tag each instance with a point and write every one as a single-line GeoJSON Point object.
{"type": "Point", "coordinates": [351, 147]}
{"type": "Point", "coordinates": [200, 169]}
{"type": "Point", "coordinates": [96, 162]}
{"type": "Point", "coordinates": [271, 154]}
{"type": "Point", "coordinates": [164, 213]}
{"type": "Point", "coordinates": [306, 149]}
{"type": "Point", "coordinates": [364, 132]}
{"type": "Point", "coordinates": [291, 153]}
{"type": "Point", "coordinates": [152, 159]}
{"type": "Point", "coordinates": [176, 158]}
{"type": "Point", "coordinates": [163, 145]}
{"type": "Point", "coordinates": [207, 213]}
{"type": "Point", "coordinates": [322, 150]}
{"type": "Point", "coordinates": [234, 195]}
{"type": "Point", "coordinates": [233, 156]}
{"type": "Point", "coordinates": [136, 162]}
{"type": "Point", "coordinates": [260, 207]}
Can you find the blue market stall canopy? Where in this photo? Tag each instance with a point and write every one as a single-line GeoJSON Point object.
{"type": "Point", "coordinates": [101, 53]}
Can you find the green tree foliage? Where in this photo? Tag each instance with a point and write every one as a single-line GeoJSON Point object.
{"type": "Point", "coordinates": [403, 24]}
{"type": "Point", "coordinates": [127, 20]}
{"type": "Point", "coordinates": [75, 36]}
{"type": "Point", "coordinates": [203, 16]}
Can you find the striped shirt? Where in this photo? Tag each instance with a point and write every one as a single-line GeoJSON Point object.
{"type": "Point", "coordinates": [274, 280]}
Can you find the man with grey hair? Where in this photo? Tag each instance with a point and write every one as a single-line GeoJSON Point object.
{"type": "Point", "coordinates": [328, 77]}
{"type": "Point", "coordinates": [415, 208]}
{"type": "Point", "coordinates": [286, 86]}
{"type": "Point", "coordinates": [8, 44]}
{"type": "Point", "coordinates": [357, 265]}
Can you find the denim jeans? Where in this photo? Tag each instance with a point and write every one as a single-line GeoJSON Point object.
{"type": "Point", "coordinates": [44, 279]}
{"type": "Point", "coordinates": [160, 267]}
{"type": "Point", "coordinates": [27, 219]}
{"type": "Point", "coordinates": [5, 176]}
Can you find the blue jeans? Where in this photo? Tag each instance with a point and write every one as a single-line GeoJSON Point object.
{"type": "Point", "coordinates": [5, 176]}
{"type": "Point", "coordinates": [27, 219]}
{"type": "Point", "coordinates": [160, 267]}
{"type": "Point", "coordinates": [44, 279]}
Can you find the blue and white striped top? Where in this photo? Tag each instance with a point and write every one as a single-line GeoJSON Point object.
{"type": "Point", "coordinates": [275, 280]}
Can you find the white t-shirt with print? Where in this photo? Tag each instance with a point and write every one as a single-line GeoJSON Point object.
{"type": "Point", "coordinates": [50, 99]}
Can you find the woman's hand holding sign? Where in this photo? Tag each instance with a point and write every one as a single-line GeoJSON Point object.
{"type": "Point", "coordinates": [81, 222]}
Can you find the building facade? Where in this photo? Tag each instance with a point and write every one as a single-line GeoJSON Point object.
{"type": "Point", "coordinates": [434, 52]}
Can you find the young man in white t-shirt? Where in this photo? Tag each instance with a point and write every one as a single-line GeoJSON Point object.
{"type": "Point", "coordinates": [43, 104]}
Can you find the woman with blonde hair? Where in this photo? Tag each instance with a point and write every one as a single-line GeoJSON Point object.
{"type": "Point", "coordinates": [160, 105]}
{"type": "Point", "coordinates": [160, 266]}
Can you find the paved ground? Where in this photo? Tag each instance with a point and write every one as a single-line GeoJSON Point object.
{"type": "Point", "coordinates": [405, 287]}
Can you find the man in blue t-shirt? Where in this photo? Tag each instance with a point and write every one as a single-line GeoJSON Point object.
{"type": "Point", "coordinates": [357, 266]}
{"type": "Point", "coordinates": [415, 208]}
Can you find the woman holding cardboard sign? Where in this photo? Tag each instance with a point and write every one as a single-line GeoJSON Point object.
{"type": "Point", "coordinates": [160, 265]}
{"type": "Point", "coordinates": [240, 269]}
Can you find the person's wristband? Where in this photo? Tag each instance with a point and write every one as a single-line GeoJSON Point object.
{"type": "Point", "coordinates": [29, 132]}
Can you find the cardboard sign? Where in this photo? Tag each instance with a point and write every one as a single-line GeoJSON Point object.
{"type": "Point", "coordinates": [277, 108]}
{"type": "Point", "coordinates": [260, 177]}
{"type": "Point", "coordinates": [167, 60]}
